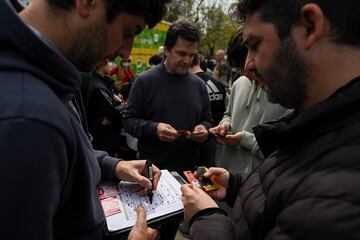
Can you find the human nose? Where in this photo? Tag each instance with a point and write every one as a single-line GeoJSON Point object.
{"type": "Point", "coordinates": [126, 48]}
{"type": "Point", "coordinates": [188, 59]}
{"type": "Point", "coordinates": [250, 62]}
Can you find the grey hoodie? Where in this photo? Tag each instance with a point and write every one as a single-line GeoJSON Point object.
{"type": "Point", "coordinates": [248, 107]}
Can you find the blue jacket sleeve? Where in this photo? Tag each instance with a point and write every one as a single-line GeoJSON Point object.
{"type": "Point", "coordinates": [107, 165]}
{"type": "Point", "coordinates": [33, 169]}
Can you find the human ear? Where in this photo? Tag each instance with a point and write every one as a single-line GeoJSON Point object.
{"type": "Point", "coordinates": [249, 62]}
{"type": "Point", "coordinates": [313, 19]}
{"type": "Point", "coordinates": [83, 7]}
{"type": "Point", "coordinates": [166, 50]}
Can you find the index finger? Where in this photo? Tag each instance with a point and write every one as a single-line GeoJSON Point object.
{"type": "Point", "coordinates": [222, 131]}
{"type": "Point", "coordinates": [198, 190]}
{"type": "Point", "coordinates": [141, 217]}
{"type": "Point", "coordinates": [214, 130]}
{"type": "Point", "coordinates": [214, 171]}
{"type": "Point", "coordinates": [170, 128]}
{"type": "Point", "coordinates": [172, 133]}
{"type": "Point", "coordinates": [200, 128]}
{"type": "Point", "coordinates": [157, 175]}
{"type": "Point", "coordinates": [187, 189]}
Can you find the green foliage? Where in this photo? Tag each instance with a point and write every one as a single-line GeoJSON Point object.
{"type": "Point", "coordinates": [218, 29]}
{"type": "Point", "coordinates": [212, 18]}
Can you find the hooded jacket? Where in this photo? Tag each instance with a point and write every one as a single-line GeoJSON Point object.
{"type": "Point", "coordinates": [308, 187]}
{"type": "Point", "coordinates": [248, 107]}
{"type": "Point", "coordinates": [48, 168]}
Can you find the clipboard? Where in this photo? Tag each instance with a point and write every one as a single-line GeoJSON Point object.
{"type": "Point", "coordinates": [166, 207]}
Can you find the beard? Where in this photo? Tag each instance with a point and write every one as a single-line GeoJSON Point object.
{"type": "Point", "coordinates": [286, 76]}
{"type": "Point", "coordinates": [89, 47]}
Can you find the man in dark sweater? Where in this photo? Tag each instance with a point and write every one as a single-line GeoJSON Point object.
{"type": "Point", "coordinates": [48, 169]}
{"type": "Point", "coordinates": [169, 98]}
{"type": "Point", "coordinates": [307, 56]}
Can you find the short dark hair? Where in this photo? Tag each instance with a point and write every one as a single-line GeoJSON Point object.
{"type": "Point", "coordinates": [237, 51]}
{"type": "Point", "coordinates": [344, 16]}
{"type": "Point", "coordinates": [199, 59]}
{"type": "Point", "coordinates": [155, 60]}
{"type": "Point", "coordinates": [152, 10]}
{"type": "Point", "coordinates": [195, 61]}
{"type": "Point", "coordinates": [184, 29]}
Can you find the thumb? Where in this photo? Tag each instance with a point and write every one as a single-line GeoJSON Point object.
{"type": "Point", "coordinates": [141, 217]}
{"type": "Point", "coordinates": [212, 171]}
{"type": "Point", "coordinates": [209, 173]}
{"type": "Point", "coordinates": [143, 181]}
{"type": "Point", "coordinates": [230, 136]}
{"type": "Point", "coordinates": [152, 233]}
{"type": "Point", "coordinates": [211, 130]}
{"type": "Point", "coordinates": [197, 190]}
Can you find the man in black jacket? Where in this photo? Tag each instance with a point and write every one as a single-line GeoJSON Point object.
{"type": "Point", "coordinates": [103, 111]}
{"type": "Point", "coordinates": [48, 169]}
{"type": "Point", "coordinates": [307, 56]}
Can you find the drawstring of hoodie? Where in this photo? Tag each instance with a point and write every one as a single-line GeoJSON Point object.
{"type": "Point", "coordinates": [258, 95]}
{"type": "Point", "coordinates": [252, 92]}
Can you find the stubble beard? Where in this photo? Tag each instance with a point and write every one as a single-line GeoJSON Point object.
{"type": "Point", "coordinates": [286, 76]}
{"type": "Point", "coordinates": [88, 48]}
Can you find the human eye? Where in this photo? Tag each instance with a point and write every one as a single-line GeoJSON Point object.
{"type": "Point", "coordinates": [129, 35]}
{"type": "Point", "coordinates": [181, 54]}
{"type": "Point", "coordinates": [253, 45]}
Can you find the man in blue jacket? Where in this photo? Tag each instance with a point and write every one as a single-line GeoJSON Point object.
{"type": "Point", "coordinates": [48, 168]}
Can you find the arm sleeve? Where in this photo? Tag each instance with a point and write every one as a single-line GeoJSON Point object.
{"type": "Point", "coordinates": [248, 141]}
{"type": "Point", "coordinates": [206, 118]}
{"type": "Point", "coordinates": [33, 169]}
{"type": "Point", "coordinates": [212, 227]}
{"type": "Point", "coordinates": [107, 165]}
{"type": "Point", "coordinates": [133, 115]}
{"type": "Point", "coordinates": [229, 109]}
{"type": "Point", "coordinates": [227, 99]}
{"type": "Point", "coordinates": [235, 182]}
{"type": "Point", "coordinates": [317, 218]}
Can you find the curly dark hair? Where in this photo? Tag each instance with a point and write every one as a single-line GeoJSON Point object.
{"type": "Point", "coordinates": [344, 16]}
{"type": "Point", "coordinates": [152, 10]}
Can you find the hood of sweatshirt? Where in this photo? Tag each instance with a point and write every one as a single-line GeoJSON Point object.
{"type": "Point", "coordinates": [22, 49]}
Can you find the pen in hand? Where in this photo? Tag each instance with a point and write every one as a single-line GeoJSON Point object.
{"type": "Point", "coordinates": [150, 175]}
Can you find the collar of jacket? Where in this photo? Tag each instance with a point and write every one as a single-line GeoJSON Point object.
{"type": "Point", "coordinates": [24, 51]}
{"type": "Point", "coordinates": [293, 130]}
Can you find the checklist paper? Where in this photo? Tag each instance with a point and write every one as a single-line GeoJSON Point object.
{"type": "Point", "coordinates": [119, 202]}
